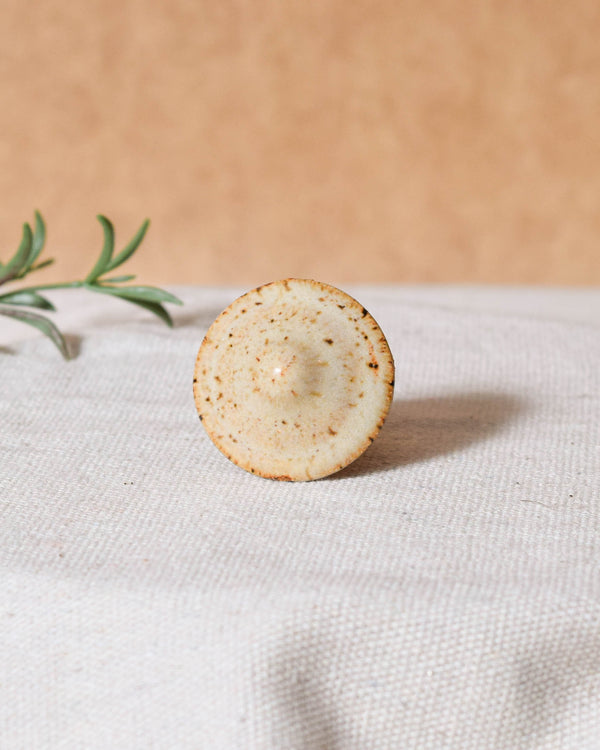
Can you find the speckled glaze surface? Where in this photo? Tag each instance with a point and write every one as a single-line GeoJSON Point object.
{"type": "Point", "coordinates": [294, 380]}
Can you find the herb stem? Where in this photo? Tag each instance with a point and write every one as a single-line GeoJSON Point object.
{"type": "Point", "coordinates": [47, 287]}
{"type": "Point", "coordinates": [14, 303]}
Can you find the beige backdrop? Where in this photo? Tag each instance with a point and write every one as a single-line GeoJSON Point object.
{"type": "Point", "coordinates": [374, 140]}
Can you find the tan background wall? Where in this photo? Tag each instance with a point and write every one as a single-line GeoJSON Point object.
{"type": "Point", "coordinates": [354, 140]}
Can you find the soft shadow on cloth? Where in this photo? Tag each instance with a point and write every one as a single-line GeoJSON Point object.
{"type": "Point", "coordinates": [303, 712]}
{"type": "Point", "coordinates": [308, 711]}
{"type": "Point", "coordinates": [423, 428]}
{"type": "Point", "coordinates": [555, 685]}
{"type": "Point", "coordinates": [73, 344]}
{"type": "Point", "coordinates": [201, 318]}
{"type": "Point", "coordinates": [539, 683]}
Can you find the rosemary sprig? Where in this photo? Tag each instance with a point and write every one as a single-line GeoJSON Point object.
{"type": "Point", "coordinates": [14, 304]}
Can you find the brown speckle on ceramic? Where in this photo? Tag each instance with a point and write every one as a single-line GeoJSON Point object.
{"type": "Point", "coordinates": [294, 380]}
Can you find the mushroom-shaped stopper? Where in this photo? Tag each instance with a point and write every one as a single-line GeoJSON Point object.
{"type": "Point", "coordinates": [293, 380]}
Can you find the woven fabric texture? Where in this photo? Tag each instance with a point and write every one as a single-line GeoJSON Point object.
{"type": "Point", "coordinates": [441, 592]}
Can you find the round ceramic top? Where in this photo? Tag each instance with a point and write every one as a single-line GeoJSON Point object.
{"type": "Point", "coordinates": [293, 380]}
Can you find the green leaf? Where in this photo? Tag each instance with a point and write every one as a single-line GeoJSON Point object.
{"type": "Point", "coordinates": [38, 240]}
{"type": "Point", "coordinates": [27, 298]}
{"type": "Point", "coordinates": [154, 307]}
{"type": "Point", "coordinates": [145, 293]}
{"type": "Point", "coordinates": [37, 245]}
{"type": "Point", "coordinates": [43, 324]}
{"type": "Point", "coordinates": [19, 259]}
{"type": "Point", "coordinates": [118, 279]}
{"type": "Point", "coordinates": [43, 264]}
{"type": "Point", "coordinates": [103, 261]}
{"type": "Point", "coordinates": [130, 248]}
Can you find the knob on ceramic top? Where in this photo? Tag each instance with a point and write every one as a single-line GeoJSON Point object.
{"type": "Point", "coordinates": [293, 380]}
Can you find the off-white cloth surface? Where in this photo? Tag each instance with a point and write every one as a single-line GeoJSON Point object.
{"type": "Point", "coordinates": [441, 592]}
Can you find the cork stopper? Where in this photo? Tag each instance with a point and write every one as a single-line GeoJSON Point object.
{"type": "Point", "coordinates": [293, 380]}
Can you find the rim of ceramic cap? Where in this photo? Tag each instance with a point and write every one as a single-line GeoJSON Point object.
{"type": "Point", "coordinates": [294, 380]}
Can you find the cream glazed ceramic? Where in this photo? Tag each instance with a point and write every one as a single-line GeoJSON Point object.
{"type": "Point", "coordinates": [293, 380]}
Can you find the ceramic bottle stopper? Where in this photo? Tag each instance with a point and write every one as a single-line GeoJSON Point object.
{"type": "Point", "coordinates": [293, 380]}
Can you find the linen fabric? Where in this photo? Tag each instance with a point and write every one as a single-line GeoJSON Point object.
{"type": "Point", "coordinates": [441, 592]}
